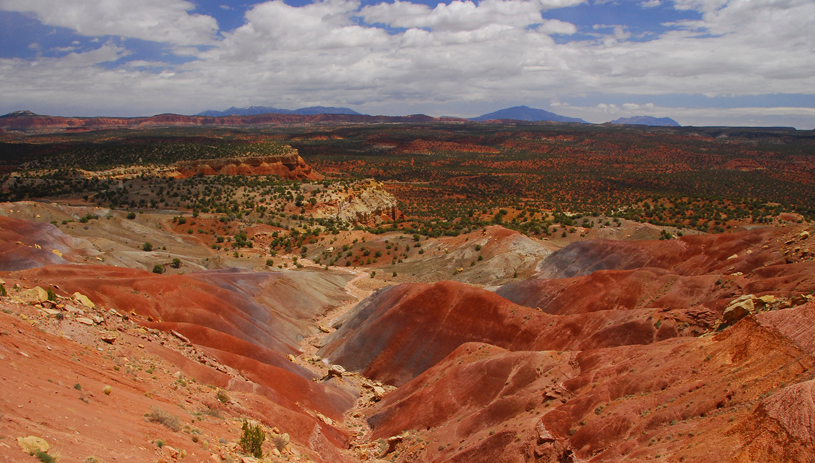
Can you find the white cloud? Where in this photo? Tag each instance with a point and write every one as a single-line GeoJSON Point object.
{"type": "Point", "coordinates": [554, 26]}
{"type": "Point", "coordinates": [157, 20]}
{"type": "Point", "coordinates": [448, 55]}
{"type": "Point", "coordinates": [464, 15]}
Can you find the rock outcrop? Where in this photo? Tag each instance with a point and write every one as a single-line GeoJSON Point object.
{"type": "Point", "coordinates": [289, 166]}
{"type": "Point", "coordinates": [369, 207]}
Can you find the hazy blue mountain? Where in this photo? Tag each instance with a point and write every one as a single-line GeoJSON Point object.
{"type": "Point", "coordinates": [325, 110]}
{"type": "Point", "coordinates": [647, 120]}
{"type": "Point", "coordinates": [525, 113]}
{"type": "Point", "coordinates": [254, 110]}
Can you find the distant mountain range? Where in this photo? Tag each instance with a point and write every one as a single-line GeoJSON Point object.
{"type": "Point", "coordinates": [525, 113]}
{"type": "Point", "coordinates": [255, 110]}
{"type": "Point", "coordinates": [647, 120]}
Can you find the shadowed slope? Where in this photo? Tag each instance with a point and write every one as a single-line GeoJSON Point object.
{"type": "Point", "coordinates": [399, 332]}
{"type": "Point", "coordinates": [689, 255]}
{"type": "Point", "coordinates": [25, 244]}
{"type": "Point", "coordinates": [688, 397]}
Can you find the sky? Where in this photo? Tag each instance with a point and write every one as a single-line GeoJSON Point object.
{"type": "Point", "coordinates": [700, 62]}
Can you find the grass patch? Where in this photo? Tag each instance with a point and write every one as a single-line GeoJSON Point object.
{"type": "Point", "coordinates": [160, 416]}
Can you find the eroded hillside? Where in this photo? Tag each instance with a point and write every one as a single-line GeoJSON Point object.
{"type": "Point", "coordinates": [689, 349]}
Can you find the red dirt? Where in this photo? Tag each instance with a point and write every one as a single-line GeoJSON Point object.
{"type": "Point", "coordinates": [53, 372]}
{"type": "Point", "coordinates": [689, 255]}
{"type": "Point", "coordinates": [19, 240]}
{"type": "Point", "coordinates": [400, 332]}
{"type": "Point", "coordinates": [690, 399]}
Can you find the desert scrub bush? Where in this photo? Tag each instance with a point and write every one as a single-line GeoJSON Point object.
{"type": "Point", "coordinates": [158, 269]}
{"type": "Point", "coordinates": [282, 440]}
{"type": "Point", "coordinates": [3, 291]}
{"type": "Point", "coordinates": [252, 439]}
{"type": "Point", "coordinates": [44, 457]}
{"type": "Point", "coordinates": [147, 246]}
{"type": "Point", "coordinates": [222, 396]}
{"type": "Point", "coordinates": [160, 416]}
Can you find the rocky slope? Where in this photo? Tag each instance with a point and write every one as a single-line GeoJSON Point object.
{"type": "Point", "coordinates": [697, 349]}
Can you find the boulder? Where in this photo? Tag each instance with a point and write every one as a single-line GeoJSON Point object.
{"type": "Point", "coordinates": [738, 309]}
{"type": "Point", "coordinates": [83, 299]}
{"type": "Point", "coordinates": [33, 444]}
{"type": "Point", "coordinates": [33, 295]}
{"type": "Point", "coordinates": [336, 370]}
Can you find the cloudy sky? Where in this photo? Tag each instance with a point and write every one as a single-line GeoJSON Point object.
{"type": "Point", "coordinates": [701, 62]}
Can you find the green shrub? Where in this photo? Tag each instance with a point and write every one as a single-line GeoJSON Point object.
{"type": "Point", "coordinates": [3, 291]}
{"type": "Point", "coordinates": [44, 457]}
{"type": "Point", "coordinates": [131, 215]}
{"type": "Point", "coordinates": [176, 263]}
{"type": "Point", "coordinates": [147, 247]}
{"type": "Point", "coordinates": [158, 269]}
{"type": "Point", "coordinates": [252, 439]}
{"type": "Point", "coordinates": [51, 295]}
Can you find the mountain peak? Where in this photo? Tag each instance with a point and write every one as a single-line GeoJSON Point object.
{"type": "Point", "coordinates": [21, 114]}
{"type": "Point", "coordinates": [525, 113]}
{"type": "Point", "coordinates": [647, 120]}
{"type": "Point", "coordinates": [255, 110]}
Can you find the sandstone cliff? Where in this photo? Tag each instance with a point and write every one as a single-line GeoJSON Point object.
{"type": "Point", "coordinates": [288, 166]}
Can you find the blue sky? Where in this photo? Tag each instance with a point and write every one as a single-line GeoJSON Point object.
{"type": "Point", "coordinates": [701, 62]}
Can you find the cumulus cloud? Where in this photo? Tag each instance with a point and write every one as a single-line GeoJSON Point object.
{"type": "Point", "coordinates": [463, 15]}
{"type": "Point", "coordinates": [157, 20]}
{"type": "Point", "coordinates": [337, 53]}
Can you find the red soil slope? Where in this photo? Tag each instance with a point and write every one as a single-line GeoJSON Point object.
{"type": "Point", "coordinates": [689, 255]}
{"type": "Point", "coordinates": [402, 331]}
{"type": "Point", "coordinates": [52, 373]}
{"type": "Point", "coordinates": [226, 320]}
{"type": "Point", "coordinates": [25, 244]}
{"type": "Point", "coordinates": [743, 395]}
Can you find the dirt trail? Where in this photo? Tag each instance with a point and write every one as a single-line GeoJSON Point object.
{"type": "Point", "coordinates": [311, 344]}
{"type": "Point", "coordinates": [359, 288]}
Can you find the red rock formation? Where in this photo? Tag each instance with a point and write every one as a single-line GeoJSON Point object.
{"type": "Point", "coordinates": [684, 399]}
{"type": "Point", "coordinates": [289, 166]}
{"type": "Point", "coordinates": [400, 332]}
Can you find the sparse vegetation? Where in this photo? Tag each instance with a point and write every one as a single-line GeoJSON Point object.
{"type": "Point", "coordinates": [157, 415]}
{"type": "Point", "coordinates": [222, 396]}
{"type": "Point", "coordinates": [252, 439]}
